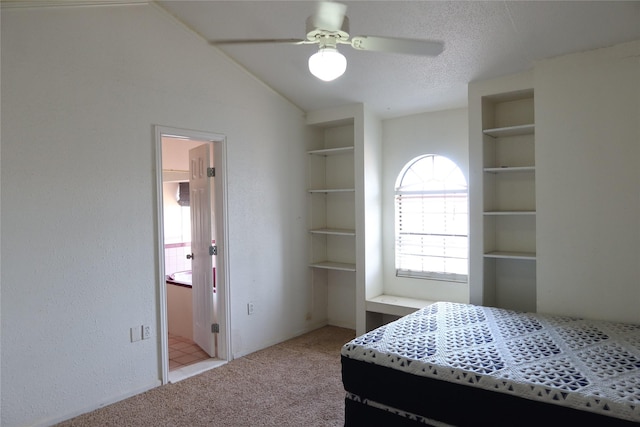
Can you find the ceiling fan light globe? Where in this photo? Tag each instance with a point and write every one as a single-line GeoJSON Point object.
{"type": "Point", "coordinates": [327, 64]}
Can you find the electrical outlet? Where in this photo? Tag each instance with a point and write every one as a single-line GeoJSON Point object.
{"type": "Point", "coordinates": [136, 334]}
{"type": "Point", "coordinates": [250, 308]}
{"type": "Point", "coordinates": [146, 332]}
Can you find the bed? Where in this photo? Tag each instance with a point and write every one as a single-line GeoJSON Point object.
{"type": "Point", "coordinates": [461, 364]}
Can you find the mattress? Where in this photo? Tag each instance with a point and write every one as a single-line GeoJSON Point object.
{"type": "Point", "coordinates": [461, 364]}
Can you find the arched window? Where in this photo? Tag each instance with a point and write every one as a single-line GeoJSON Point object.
{"type": "Point", "coordinates": [432, 220]}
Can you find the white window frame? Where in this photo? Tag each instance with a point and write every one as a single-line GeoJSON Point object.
{"type": "Point", "coordinates": [428, 249]}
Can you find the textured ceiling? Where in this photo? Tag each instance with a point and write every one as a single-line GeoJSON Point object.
{"type": "Point", "coordinates": [482, 40]}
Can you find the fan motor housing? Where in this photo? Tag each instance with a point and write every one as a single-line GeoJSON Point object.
{"type": "Point", "coordinates": [330, 37]}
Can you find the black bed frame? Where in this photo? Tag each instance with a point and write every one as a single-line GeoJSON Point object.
{"type": "Point", "coordinates": [449, 403]}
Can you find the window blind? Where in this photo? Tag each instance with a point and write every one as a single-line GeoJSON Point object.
{"type": "Point", "coordinates": [432, 234]}
{"type": "Point", "coordinates": [432, 220]}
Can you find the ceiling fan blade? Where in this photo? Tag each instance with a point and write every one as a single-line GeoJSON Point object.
{"type": "Point", "coordinates": [398, 45]}
{"type": "Point", "coordinates": [329, 15]}
{"type": "Point", "coordinates": [255, 41]}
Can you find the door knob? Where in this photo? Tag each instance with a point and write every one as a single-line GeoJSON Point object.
{"type": "Point", "coordinates": [189, 256]}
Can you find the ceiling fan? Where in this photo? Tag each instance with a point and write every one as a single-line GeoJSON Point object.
{"type": "Point", "coordinates": [328, 28]}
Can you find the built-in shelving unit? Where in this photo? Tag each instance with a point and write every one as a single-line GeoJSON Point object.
{"type": "Point", "coordinates": [508, 202]}
{"type": "Point", "coordinates": [332, 223]}
{"type": "Point", "coordinates": [343, 158]}
{"type": "Point", "coordinates": [332, 187]}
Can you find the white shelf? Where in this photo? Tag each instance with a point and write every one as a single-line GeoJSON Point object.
{"type": "Point", "coordinates": [332, 190]}
{"type": "Point", "coordinates": [511, 255]}
{"type": "Point", "coordinates": [508, 169]}
{"type": "Point", "coordinates": [502, 132]}
{"type": "Point", "coordinates": [511, 213]}
{"type": "Point", "coordinates": [332, 265]}
{"type": "Point", "coordinates": [397, 306]}
{"type": "Point", "coordinates": [331, 151]}
{"type": "Point", "coordinates": [334, 231]}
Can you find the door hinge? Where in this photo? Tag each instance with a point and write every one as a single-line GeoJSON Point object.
{"type": "Point", "coordinates": [211, 172]}
{"type": "Point", "coordinates": [213, 250]}
{"type": "Point", "coordinates": [215, 328]}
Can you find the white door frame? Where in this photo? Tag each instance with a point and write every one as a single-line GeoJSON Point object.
{"type": "Point", "coordinates": [222, 259]}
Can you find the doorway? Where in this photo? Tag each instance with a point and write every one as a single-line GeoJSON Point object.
{"type": "Point", "coordinates": [191, 219]}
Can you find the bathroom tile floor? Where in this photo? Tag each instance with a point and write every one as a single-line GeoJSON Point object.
{"type": "Point", "coordinates": [183, 352]}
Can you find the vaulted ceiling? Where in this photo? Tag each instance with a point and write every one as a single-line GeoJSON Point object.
{"type": "Point", "coordinates": [482, 40]}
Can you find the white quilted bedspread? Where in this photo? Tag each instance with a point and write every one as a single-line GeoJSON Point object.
{"type": "Point", "coordinates": [585, 364]}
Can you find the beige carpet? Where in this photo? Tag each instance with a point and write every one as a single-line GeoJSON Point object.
{"type": "Point", "coordinates": [295, 383]}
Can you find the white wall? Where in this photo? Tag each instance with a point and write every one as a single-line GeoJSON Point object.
{"type": "Point", "coordinates": [403, 139]}
{"type": "Point", "coordinates": [82, 88]}
{"type": "Point", "coordinates": [588, 183]}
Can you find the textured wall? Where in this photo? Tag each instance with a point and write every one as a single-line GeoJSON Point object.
{"type": "Point", "coordinates": [82, 88]}
{"type": "Point", "coordinates": [587, 181]}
